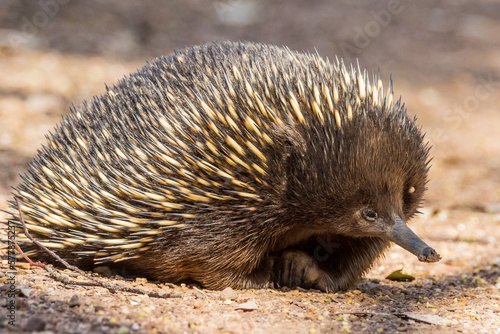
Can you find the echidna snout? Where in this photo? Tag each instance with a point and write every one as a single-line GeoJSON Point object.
{"type": "Point", "coordinates": [404, 237]}
{"type": "Point", "coordinates": [232, 164]}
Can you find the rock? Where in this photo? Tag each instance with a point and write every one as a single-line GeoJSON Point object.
{"type": "Point", "coordinates": [141, 280]}
{"type": "Point", "coordinates": [122, 330]}
{"type": "Point", "coordinates": [23, 265]}
{"type": "Point", "coordinates": [492, 208]}
{"type": "Point", "coordinates": [248, 306]}
{"type": "Point", "coordinates": [228, 293]}
{"type": "Point", "coordinates": [74, 301]}
{"type": "Point", "coordinates": [429, 318]}
{"type": "Point", "coordinates": [35, 324]}
{"type": "Point", "coordinates": [175, 295]}
{"type": "Point", "coordinates": [24, 291]}
{"type": "Point", "coordinates": [98, 308]}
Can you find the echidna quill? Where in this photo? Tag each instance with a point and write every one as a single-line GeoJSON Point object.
{"type": "Point", "coordinates": [232, 164]}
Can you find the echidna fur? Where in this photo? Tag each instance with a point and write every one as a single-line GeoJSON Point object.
{"type": "Point", "coordinates": [229, 164]}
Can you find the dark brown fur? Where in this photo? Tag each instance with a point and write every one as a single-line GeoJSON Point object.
{"type": "Point", "coordinates": [298, 223]}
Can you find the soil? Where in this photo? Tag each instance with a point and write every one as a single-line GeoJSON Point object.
{"type": "Point", "coordinates": [443, 56]}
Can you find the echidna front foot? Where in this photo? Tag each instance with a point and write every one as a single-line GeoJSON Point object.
{"type": "Point", "coordinates": [296, 268]}
{"type": "Point", "coordinates": [329, 263]}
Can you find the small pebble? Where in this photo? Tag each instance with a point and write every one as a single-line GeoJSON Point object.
{"type": "Point", "coordinates": [23, 265]}
{"type": "Point", "coordinates": [74, 301]}
{"type": "Point", "coordinates": [492, 208]}
{"type": "Point", "coordinates": [24, 291]}
{"type": "Point", "coordinates": [248, 306]}
{"type": "Point", "coordinates": [98, 308]}
{"type": "Point", "coordinates": [175, 295]}
{"type": "Point", "coordinates": [228, 293]}
{"type": "Point", "coordinates": [122, 330]}
{"type": "Point", "coordinates": [35, 324]}
{"type": "Point", "coordinates": [141, 280]}
{"type": "Point", "coordinates": [71, 273]}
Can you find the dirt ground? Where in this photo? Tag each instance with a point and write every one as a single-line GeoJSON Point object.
{"type": "Point", "coordinates": [443, 56]}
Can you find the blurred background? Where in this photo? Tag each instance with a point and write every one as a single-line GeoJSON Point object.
{"type": "Point", "coordinates": [444, 58]}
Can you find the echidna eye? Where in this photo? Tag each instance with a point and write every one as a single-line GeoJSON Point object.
{"type": "Point", "coordinates": [411, 190]}
{"type": "Point", "coordinates": [369, 214]}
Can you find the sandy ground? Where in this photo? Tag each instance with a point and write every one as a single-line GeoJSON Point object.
{"type": "Point", "coordinates": [444, 61]}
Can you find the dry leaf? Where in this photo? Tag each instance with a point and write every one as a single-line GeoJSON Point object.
{"type": "Point", "coordinates": [400, 277]}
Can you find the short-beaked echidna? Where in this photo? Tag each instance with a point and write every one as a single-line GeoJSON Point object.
{"type": "Point", "coordinates": [232, 164]}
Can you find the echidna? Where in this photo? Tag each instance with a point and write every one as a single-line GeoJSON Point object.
{"type": "Point", "coordinates": [232, 164]}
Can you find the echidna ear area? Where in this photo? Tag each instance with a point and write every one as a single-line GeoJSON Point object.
{"type": "Point", "coordinates": [189, 134]}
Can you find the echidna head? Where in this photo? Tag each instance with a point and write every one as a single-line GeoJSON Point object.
{"type": "Point", "coordinates": [370, 181]}
{"type": "Point", "coordinates": [388, 164]}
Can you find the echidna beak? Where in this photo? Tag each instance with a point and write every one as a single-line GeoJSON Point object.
{"type": "Point", "coordinates": [404, 237]}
